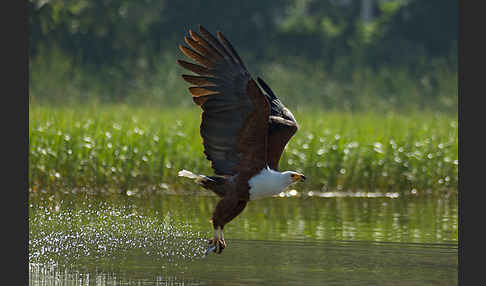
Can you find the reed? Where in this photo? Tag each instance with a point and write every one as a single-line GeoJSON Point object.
{"type": "Point", "coordinates": [122, 148]}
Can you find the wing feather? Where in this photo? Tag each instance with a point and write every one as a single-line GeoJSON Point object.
{"type": "Point", "coordinates": [252, 141]}
{"type": "Point", "coordinates": [213, 52]}
{"type": "Point", "coordinates": [196, 56]}
{"type": "Point", "coordinates": [216, 44]}
{"type": "Point", "coordinates": [203, 91]}
{"type": "Point", "coordinates": [200, 80]}
{"type": "Point", "coordinates": [234, 122]}
{"type": "Point", "coordinates": [282, 126]}
{"type": "Point", "coordinates": [194, 68]}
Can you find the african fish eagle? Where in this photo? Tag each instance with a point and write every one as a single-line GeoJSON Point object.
{"type": "Point", "coordinates": [244, 131]}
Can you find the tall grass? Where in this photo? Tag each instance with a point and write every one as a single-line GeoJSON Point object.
{"type": "Point", "coordinates": [121, 148]}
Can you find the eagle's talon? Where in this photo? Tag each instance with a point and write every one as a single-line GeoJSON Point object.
{"type": "Point", "coordinates": [216, 245]}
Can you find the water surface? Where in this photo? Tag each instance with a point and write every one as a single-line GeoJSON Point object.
{"type": "Point", "coordinates": [160, 240]}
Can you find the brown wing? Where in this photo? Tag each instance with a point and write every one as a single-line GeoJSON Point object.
{"type": "Point", "coordinates": [282, 126]}
{"type": "Point", "coordinates": [234, 121]}
{"type": "Point", "coordinates": [253, 137]}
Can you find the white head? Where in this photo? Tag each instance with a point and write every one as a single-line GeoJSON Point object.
{"type": "Point", "coordinates": [270, 182]}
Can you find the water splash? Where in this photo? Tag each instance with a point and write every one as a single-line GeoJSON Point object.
{"type": "Point", "coordinates": [105, 231]}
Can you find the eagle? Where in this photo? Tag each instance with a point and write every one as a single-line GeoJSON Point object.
{"type": "Point", "coordinates": [244, 130]}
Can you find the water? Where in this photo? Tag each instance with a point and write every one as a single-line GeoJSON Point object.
{"type": "Point", "coordinates": [160, 240]}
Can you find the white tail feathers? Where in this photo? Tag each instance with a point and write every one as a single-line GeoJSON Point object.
{"type": "Point", "coordinates": [187, 174]}
{"type": "Point", "coordinates": [190, 175]}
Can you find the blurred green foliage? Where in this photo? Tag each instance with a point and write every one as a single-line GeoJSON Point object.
{"type": "Point", "coordinates": [123, 47]}
{"type": "Point", "coordinates": [110, 31]}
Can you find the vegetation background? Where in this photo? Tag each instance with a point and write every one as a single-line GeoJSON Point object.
{"type": "Point", "coordinates": [343, 54]}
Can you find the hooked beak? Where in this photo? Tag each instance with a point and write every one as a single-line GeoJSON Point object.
{"type": "Point", "coordinates": [299, 177]}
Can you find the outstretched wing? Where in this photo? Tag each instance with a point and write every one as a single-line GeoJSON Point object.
{"type": "Point", "coordinates": [234, 123]}
{"type": "Point", "coordinates": [282, 126]}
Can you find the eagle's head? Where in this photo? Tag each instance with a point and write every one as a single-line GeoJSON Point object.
{"type": "Point", "coordinates": [293, 177]}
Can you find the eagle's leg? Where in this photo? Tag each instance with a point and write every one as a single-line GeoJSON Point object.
{"type": "Point", "coordinates": [226, 210]}
{"type": "Point", "coordinates": [217, 243]}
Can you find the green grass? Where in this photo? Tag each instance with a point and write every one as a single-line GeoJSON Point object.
{"type": "Point", "coordinates": [118, 148]}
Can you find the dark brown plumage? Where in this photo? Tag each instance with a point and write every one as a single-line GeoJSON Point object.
{"type": "Point", "coordinates": [243, 130]}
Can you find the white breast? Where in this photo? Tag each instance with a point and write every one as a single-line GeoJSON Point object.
{"type": "Point", "coordinates": [267, 183]}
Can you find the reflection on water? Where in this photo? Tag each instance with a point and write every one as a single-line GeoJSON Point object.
{"type": "Point", "coordinates": [286, 241]}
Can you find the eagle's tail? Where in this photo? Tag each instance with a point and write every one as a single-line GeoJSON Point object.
{"type": "Point", "coordinates": [213, 183]}
{"type": "Point", "coordinates": [188, 174]}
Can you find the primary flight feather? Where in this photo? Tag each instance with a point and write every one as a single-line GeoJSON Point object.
{"type": "Point", "coordinates": [244, 130]}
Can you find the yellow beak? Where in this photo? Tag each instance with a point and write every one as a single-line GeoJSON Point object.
{"type": "Point", "coordinates": [299, 177]}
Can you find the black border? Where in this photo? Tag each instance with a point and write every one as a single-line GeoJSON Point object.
{"type": "Point", "coordinates": [471, 131]}
{"type": "Point", "coordinates": [15, 134]}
